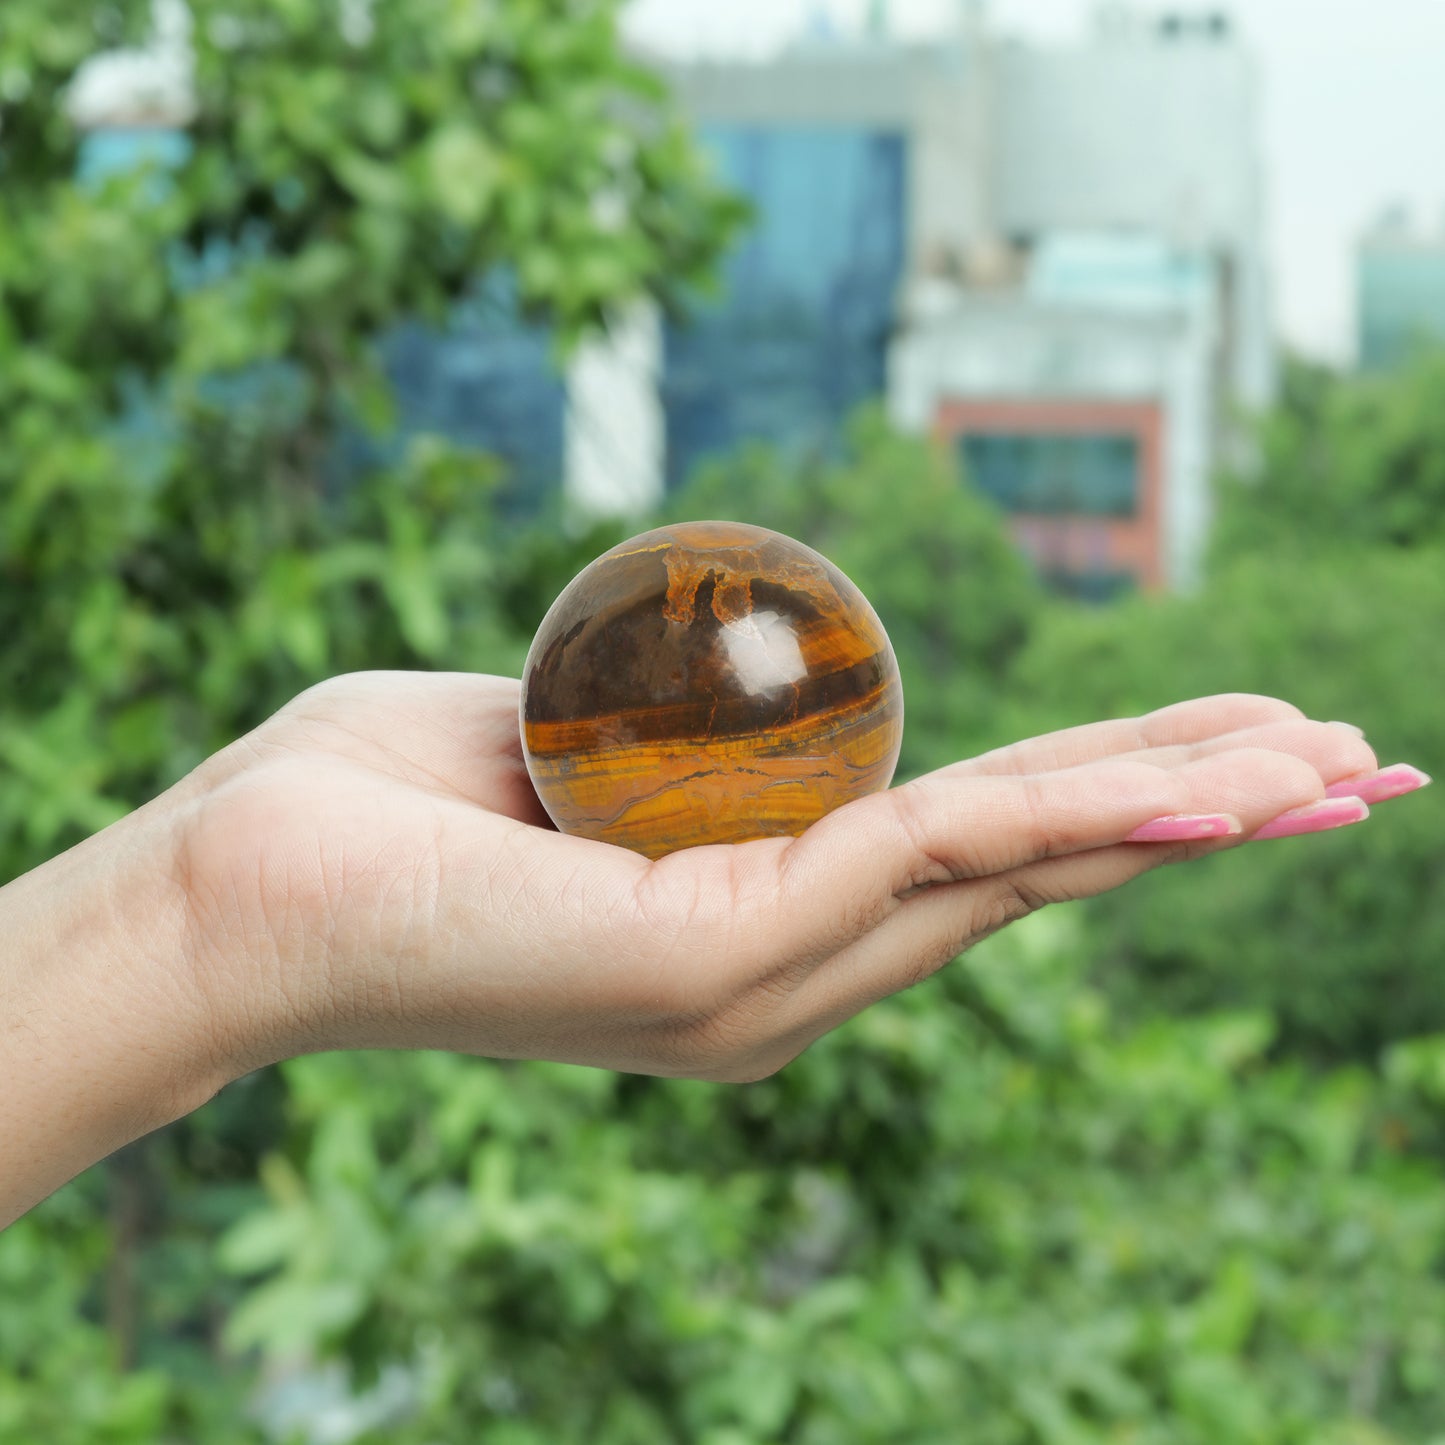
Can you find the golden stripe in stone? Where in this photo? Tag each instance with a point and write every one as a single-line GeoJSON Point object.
{"type": "Point", "coordinates": [656, 797]}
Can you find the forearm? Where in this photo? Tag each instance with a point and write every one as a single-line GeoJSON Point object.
{"type": "Point", "coordinates": [100, 1032]}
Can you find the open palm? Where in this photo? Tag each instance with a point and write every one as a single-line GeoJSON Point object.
{"type": "Point", "coordinates": [371, 867]}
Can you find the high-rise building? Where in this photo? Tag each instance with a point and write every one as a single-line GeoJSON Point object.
{"type": "Point", "coordinates": [1051, 258]}
{"type": "Point", "coordinates": [486, 378]}
{"type": "Point", "coordinates": [1399, 291]}
{"type": "Point", "coordinates": [810, 296]}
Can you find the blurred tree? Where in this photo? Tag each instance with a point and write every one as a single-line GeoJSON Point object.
{"type": "Point", "coordinates": [916, 1232]}
{"type": "Point", "coordinates": [346, 167]}
{"type": "Point", "coordinates": [179, 349]}
{"type": "Point", "coordinates": [1343, 463]}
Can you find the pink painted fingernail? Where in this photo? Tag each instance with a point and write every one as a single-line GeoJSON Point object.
{"type": "Point", "coordinates": [1315, 818]}
{"type": "Point", "coordinates": [1181, 827]}
{"type": "Point", "coordinates": [1376, 787]}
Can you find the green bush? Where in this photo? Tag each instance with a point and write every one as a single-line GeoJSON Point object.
{"type": "Point", "coordinates": [1046, 1228]}
{"type": "Point", "coordinates": [1343, 464]}
{"type": "Point", "coordinates": [164, 591]}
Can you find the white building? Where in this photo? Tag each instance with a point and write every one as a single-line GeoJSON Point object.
{"type": "Point", "coordinates": [1399, 290]}
{"type": "Point", "coordinates": [1084, 284]}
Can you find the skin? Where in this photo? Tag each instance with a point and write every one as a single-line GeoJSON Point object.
{"type": "Point", "coordinates": [370, 868]}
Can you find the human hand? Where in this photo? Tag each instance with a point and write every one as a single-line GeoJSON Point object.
{"type": "Point", "coordinates": [371, 868]}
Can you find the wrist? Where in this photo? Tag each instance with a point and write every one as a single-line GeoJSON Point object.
{"type": "Point", "coordinates": [103, 1034]}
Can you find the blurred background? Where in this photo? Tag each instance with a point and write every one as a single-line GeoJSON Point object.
{"type": "Point", "coordinates": [1101, 345]}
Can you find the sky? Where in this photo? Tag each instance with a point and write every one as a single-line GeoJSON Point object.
{"type": "Point", "coordinates": [1353, 115]}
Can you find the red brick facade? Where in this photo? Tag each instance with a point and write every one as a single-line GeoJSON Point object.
{"type": "Point", "coordinates": [1076, 544]}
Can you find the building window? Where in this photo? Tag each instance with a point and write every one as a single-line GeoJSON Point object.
{"type": "Point", "coordinates": [1104, 586]}
{"type": "Point", "coordinates": [1042, 474]}
{"type": "Point", "coordinates": [799, 336]}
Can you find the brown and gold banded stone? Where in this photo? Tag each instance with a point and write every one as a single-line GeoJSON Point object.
{"type": "Point", "coordinates": [709, 682]}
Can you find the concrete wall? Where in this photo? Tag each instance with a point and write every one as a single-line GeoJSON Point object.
{"type": "Point", "coordinates": [614, 429]}
{"type": "Point", "coordinates": [1127, 135]}
{"type": "Point", "coordinates": [1149, 135]}
{"type": "Point", "coordinates": [1127, 132]}
{"type": "Point", "coordinates": [1070, 543]}
{"type": "Point", "coordinates": [932, 95]}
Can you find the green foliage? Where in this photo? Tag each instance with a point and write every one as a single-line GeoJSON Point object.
{"type": "Point", "coordinates": [930, 554]}
{"type": "Point", "coordinates": [1338, 937]}
{"type": "Point", "coordinates": [1344, 464]}
{"type": "Point", "coordinates": [439, 139]}
{"type": "Point", "coordinates": [163, 592]}
{"type": "Point", "coordinates": [1052, 1226]}
{"type": "Point", "coordinates": [1084, 1234]}
{"type": "Point", "coordinates": [41, 48]}
{"type": "Point", "coordinates": [67, 1381]}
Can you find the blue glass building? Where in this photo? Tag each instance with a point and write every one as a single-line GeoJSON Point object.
{"type": "Point", "coordinates": [1400, 290]}
{"type": "Point", "coordinates": [486, 379]}
{"type": "Point", "coordinates": [800, 334]}
{"type": "Point", "coordinates": [797, 339]}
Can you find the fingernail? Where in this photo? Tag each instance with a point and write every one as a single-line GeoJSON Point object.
{"type": "Point", "coordinates": [1315, 818]}
{"type": "Point", "coordinates": [1348, 727]}
{"type": "Point", "coordinates": [1376, 787]}
{"type": "Point", "coordinates": [1181, 827]}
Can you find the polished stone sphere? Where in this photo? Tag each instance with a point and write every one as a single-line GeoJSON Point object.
{"type": "Point", "coordinates": [709, 682]}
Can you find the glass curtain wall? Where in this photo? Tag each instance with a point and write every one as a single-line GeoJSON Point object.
{"type": "Point", "coordinates": [799, 336]}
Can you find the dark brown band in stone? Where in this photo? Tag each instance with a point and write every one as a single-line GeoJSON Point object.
{"type": "Point", "coordinates": [859, 688]}
{"type": "Point", "coordinates": [645, 628]}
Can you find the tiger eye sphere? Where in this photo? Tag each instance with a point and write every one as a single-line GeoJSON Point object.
{"type": "Point", "coordinates": [709, 682]}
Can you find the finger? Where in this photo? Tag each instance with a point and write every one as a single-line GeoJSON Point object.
{"type": "Point", "coordinates": [1180, 724]}
{"type": "Point", "coordinates": [1335, 752]}
{"type": "Point", "coordinates": [1379, 785]}
{"type": "Point", "coordinates": [943, 828]}
{"type": "Point", "coordinates": [928, 929]}
{"type": "Point", "coordinates": [804, 899]}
